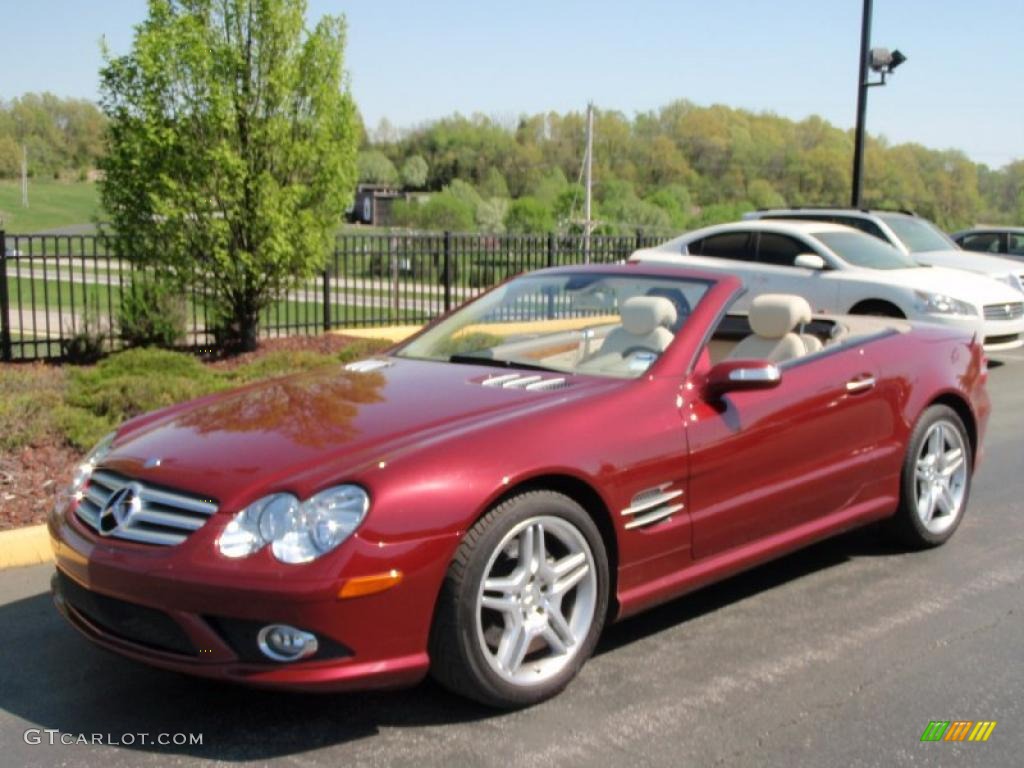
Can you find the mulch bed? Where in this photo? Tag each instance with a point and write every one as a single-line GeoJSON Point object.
{"type": "Point", "coordinates": [30, 479]}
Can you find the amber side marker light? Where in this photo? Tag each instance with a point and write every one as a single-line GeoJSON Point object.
{"type": "Point", "coordinates": [370, 585]}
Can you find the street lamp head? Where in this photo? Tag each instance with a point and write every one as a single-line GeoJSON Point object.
{"type": "Point", "coordinates": [884, 61]}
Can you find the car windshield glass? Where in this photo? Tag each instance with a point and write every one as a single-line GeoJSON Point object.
{"type": "Point", "coordinates": [918, 235]}
{"type": "Point", "coordinates": [579, 322]}
{"type": "Point", "coordinates": [865, 251]}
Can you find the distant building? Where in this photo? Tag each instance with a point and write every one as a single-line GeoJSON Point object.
{"type": "Point", "coordinates": [373, 203]}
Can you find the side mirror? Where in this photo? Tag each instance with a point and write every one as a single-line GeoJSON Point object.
{"type": "Point", "coordinates": [810, 261]}
{"type": "Point", "coordinates": [738, 375]}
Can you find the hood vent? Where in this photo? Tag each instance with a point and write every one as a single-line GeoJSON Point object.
{"type": "Point", "coordinates": [651, 506]}
{"type": "Point", "coordinates": [532, 383]}
{"type": "Point", "coordinates": [365, 366]}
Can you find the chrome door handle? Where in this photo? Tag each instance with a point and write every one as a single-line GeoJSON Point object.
{"type": "Point", "coordinates": [860, 385]}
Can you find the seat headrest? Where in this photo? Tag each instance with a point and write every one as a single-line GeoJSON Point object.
{"type": "Point", "coordinates": [773, 315]}
{"type": "Point", "coordinates": [642, 314]}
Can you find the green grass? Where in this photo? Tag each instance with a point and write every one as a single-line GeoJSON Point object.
{"type": "Point", "coordinates": [51, 204]}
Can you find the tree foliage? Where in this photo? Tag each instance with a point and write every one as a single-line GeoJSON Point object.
{"type": "Point", "coordinates": [231, 148]}
{"type": "Point", "coordinates": [374, 167]}
{"type": "Point", "coordinates": [695, 164]}
{"type": "Point", "coordinates": [61, 136]}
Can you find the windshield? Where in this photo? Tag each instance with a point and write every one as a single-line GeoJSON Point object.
{"type": "Point", "coordinates": [918, 235]}
{"type": "Point", "coordinates": [865, 251]}
{"type": "Point", "coordinates": [601, 324]}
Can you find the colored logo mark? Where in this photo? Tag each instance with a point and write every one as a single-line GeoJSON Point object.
{"type": "Point", "coordinates": [958, 730]}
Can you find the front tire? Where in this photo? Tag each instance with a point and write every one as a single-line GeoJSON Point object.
{"type": "Point", "coordinates": [936, 480]}
{"type": "Point", "coordinates": [523, 603]}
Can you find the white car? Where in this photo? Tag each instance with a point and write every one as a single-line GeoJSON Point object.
{"type": "Point", "coordinates": [910, 234]}
{"type": "Point", "coordinates": [840, 270]}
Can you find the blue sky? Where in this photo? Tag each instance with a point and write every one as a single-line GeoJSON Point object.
{"type": "Point", "coordinates": [413, 61]}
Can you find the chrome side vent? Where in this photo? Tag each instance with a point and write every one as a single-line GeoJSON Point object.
{"type": "Point", "coordinates": [532, 383]}
{"type": "Point", "coordinates": [121, 508]}
{"type": "Point", "coordinates": [365, 366]}
{"type": "Point", "coordinates": [652, 505]}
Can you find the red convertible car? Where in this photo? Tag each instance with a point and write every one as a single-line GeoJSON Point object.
{"type": "Point", "coordinates": [574, 446]}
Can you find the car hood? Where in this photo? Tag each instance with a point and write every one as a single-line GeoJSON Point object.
{"type": "Point", "coordinates": [994, 266]}
{"type": "Point", "coordinates": [974, 288]}
{"type": "Point", "coordinates": [268, 435]}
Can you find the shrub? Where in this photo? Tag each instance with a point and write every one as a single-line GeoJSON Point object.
{"type": "Point", "coordinates": [31, 394]}
{"type": "Point", "coordinates": [152, 314]}
{"type": "Point", "coordinates": [128, 384]}
{"type": "Point", "coordinates": [88, 342]}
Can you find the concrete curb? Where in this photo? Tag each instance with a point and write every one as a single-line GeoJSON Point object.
{"type": "Point", "coordinates": [25, 546]}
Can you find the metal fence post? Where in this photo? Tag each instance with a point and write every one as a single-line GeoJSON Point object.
{"type": "Point", "coordinates": [327, 299]}
{"type": "Point", "coordinates": [5, 304]}
{"type": "Point", "coordinates": [639, 239]}
{"type": "Point", "coordinates": [447, 271]}
{"type": "Point", "coordinates": [551, 249]}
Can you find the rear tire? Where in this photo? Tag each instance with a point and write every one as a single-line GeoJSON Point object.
{"type": "Point", "coordinates": [935, 481]}
{"type": "Point", "coordinates": [523, 603]}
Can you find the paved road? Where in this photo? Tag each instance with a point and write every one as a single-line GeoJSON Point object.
{"type": "Point", "coordinates": [837, 656]}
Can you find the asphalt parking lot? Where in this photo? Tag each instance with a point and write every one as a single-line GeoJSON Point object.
{"type": "Point", "coordinates": [839, 655]}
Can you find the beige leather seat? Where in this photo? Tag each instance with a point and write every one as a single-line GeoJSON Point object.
{"type": "Point", "coordinates": [644, 329]}
{"type": "Point", "coordinates": [645, 322]}
{"type": "Point", "coordinates": [773, 319]}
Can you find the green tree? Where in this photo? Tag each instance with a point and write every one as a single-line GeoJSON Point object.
{"type": "Point", "coordinates": [231, 148]}
{"type": "Point", "coordinates": [414, 172]}
{"type": "Point", "coordinates": [529, 215]}
{"type": "Point", "coordinates": [374, 167]}
{"type": "Point", "coordinates": [447, 211]}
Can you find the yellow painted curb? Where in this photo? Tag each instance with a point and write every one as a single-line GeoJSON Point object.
{"type": "Point", "coordinates": [25, 546]}
{"type": "Point", "coordinates": [394, 334]}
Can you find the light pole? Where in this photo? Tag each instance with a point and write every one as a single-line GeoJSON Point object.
{"type": "Point", "coordinates": [882, 61]}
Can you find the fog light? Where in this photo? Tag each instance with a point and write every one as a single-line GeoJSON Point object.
{"type": "Point", "coordinates": [283, 643]}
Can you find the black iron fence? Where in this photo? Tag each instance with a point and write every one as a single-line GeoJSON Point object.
{"type": "Point", "coordinates": [57, 291]}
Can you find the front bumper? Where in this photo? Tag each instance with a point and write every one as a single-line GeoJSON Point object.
{"type": "Point", "coordinates": [184, 610]}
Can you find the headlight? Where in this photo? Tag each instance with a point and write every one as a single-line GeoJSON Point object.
{"type": "Point", "coordinates": [86, 466]}
{"type": "Point", "coordinates": [941, 304]}
{"type": "Point", "coordinates": [297, 531]}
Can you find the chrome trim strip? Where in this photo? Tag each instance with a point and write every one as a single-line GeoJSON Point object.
{"type": "Point", "coordinates": [180, 502]}
{"type": "Point", "coordinates": [653, 517]}
{"type": "Point", "coordinates": [539, 386]}
{"type": "Point", "coordinates": [499, 381]}
{"type": "Point", "coordinates": [522, 382]}
{"type": "Point", "coordinates": [651, 501]}
{"type": "Point", "coordinates": [365, 366]}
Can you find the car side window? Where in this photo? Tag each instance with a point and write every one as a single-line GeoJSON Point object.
{"type": "Point", "coordinates": [1015, 244]}
{"type": "Point", "coordinates": [779, 250]}
{"type": "Point", "coordinates": [864, 225]}
{"type": "Point", "coordinates": [729, 245]}
{"type": "Point", "coordinates": [985, 242]}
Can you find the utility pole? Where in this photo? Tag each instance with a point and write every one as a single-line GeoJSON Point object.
{"type": "Point", "coordinates": [24, 176]}
{"type": "Point", "coordinates": [862, 106]}
{"type": "Point", "coordinates": [588, 172]}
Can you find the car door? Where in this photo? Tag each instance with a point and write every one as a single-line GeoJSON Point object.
{"type": "Point", "coordinates": [766, 461]}
{"type": "Point", "coordinates": [777, 272]}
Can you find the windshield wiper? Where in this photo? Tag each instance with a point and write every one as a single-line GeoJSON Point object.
{"type": "Point", "coordinates": [495, 362]}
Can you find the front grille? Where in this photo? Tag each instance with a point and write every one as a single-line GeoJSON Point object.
{"type": "Point", "coordinates": [127, 621]}
{"type": "Point", "coordinates": [143, 513]}
{"type": "Point", "coordinates": [1009, 311]}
